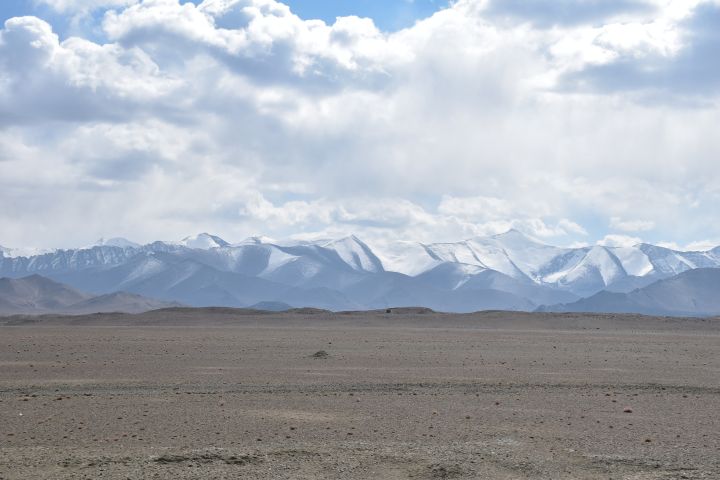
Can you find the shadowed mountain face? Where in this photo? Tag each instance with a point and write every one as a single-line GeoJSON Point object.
{"type": "Point", "coordinates": [509, 271]}
{"type": "Point", "coordinates": [692, 293]}
{"type": "Point", "coordinates": [36, 295]}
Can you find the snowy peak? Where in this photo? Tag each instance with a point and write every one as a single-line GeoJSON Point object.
{"type": "Point", "coordinates": [605, 263]}
{"type": "Point", "coordinates": [666, 261]}
{"type": "Point", "coordinates": [587, 271]}
{"type": "Point", "coordinates": [525, 254]}
{"type": "Point", "coordinates": [330, 263]}
{"type": "Point", "coordinates": [26, 252]}
{"type": "Point", "coordinates": [356, 254]}
{"type": "Point", "coordinates": [511, 253]}
{"type": "Point", "coordinates": [408, 258]}
{"type": "Point", "coordinates": [461, 252]}
{"type": "Point", "coordinates": [515, 239]}
{"type": "Point", "coordinates": [634, 261]}
{"type": "Point", "coordinates": [204, 241]}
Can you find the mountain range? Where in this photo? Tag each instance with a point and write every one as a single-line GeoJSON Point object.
{"type": "Point", "coordinates": [510, 271]}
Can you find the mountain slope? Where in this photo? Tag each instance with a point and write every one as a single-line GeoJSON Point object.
{"type": "Point", "coordinates": [693, 292]}
{"type": "Point", "coordinates": [36, 294]}
{"type": "Point", "coordinates": [463, 278]}
{"type": "Point", "coordinates": [356, 254]}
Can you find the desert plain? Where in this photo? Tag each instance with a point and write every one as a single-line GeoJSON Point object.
{"type": "Point", "coordinates": [409, 394]}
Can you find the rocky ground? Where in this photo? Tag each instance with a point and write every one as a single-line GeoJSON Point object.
{"type": "Point", "coordinates": [219, 394]}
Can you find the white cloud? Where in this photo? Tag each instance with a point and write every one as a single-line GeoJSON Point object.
{"type": "Point", "coordinates": [614, 240]}
{"type": "Point", "coordinates": [74, 80]}
{"type": "Point", "coordinates": [240, 117]}
{"type": "Point", "coordinates": [698, 246]}
{"type": "Point", "coordinates": [84, 6]}
{"type": "Point", "coordinates": [476, 208]}
{"type": "Point", "coordinates": [631, 225]}
{"type": "Point", "coordinates": [260, 39]}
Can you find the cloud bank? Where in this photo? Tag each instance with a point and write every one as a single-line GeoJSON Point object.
{"type": "Point", "coordinates": [574, 121]}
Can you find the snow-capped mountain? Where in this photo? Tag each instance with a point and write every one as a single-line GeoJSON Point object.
{"type": "Point", "coordinates": [203, 241]}
{"type": "Point", "coordinates": [510, 270]}
{"type": "Point", "coordinates": [356, 254]}
{"type": "Point", "coordinates": [582, 271]}
{"type": "Point", "coordinates": [22, 252]}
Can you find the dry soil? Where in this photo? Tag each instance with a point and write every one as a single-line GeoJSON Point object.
{"type": "Point", "coordinates": [221, 394]}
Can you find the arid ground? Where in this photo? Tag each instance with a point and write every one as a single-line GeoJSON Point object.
{"type": "Point", "coordinates": [212, 394]}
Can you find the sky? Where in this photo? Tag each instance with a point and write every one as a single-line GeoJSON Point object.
{"type": "Point", "coordinates": [578, 122]}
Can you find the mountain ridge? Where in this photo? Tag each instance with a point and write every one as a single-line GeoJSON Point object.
{"type": "Point", "coordinates": [506, 271]}
{"type": "Point", "coordinates": [691, 293]}
{"type": "Point", "coordinates": [36, 294]}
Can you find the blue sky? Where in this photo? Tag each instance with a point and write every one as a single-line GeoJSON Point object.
{"type": "Point", "coordinates": [16, 8]}
{"type": "Point", "coordinates": [12, 8]}
{"type": "Point", "coordinates": [388, 15]}
{"type": "Point", "coordinates": [575, 121]}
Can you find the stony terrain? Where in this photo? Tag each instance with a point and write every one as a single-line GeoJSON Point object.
{"type": "Point", "coordinates": [409, 394]}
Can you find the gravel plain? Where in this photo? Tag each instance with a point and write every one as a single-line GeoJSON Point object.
{"type": "Point", "coordinates": [410, 394]}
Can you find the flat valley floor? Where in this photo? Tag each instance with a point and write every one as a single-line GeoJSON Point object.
{"type": "Point", "coordinates": [220, 394]}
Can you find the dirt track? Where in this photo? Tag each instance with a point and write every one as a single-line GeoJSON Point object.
{"type": "Point", "coordinates": [215, 394]}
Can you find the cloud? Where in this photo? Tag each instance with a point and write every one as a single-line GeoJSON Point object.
{"type": "Point", "coordinates": [631, 225]}
{"type": "Point", "coordinates": [688, 70]}
{"type": "Point", "coordinates": [239, 117]}
{"type": "Point", "coordinates": [84, 6]}
{"type": "Point", "coordinates": [697, 246]}
{"type": "Point", "coordinates": [549, 13]}
{"type": "Point", "coordinates": [476, 208]}
{"type": "Point", "coordinates": [614, 240]}
{"type": "Point", "coordinates": [259, 39]}
{"type": "Point", "coordinates": [74, 80]}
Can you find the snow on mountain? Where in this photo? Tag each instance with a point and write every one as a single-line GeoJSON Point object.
{"type": "Point", "coordinates": [595, 271]}
{"type": "Point", "coordinates": [691, 293]}
{"type": "Point", "coordinates": [583, 271]}
{"type": "Point", "coordinates": [203, 241]}
{"type": "Point", "coordinates": [25, 252]}
{"type": "Point", "coordinates": [276, 259]}
{"type": "Point", "coordinates": [148, 266]}
{"type": "Point", "coordinates": [666, 261]}
{"type": "Point", "coordinates": [415, 258]}
{"type": "Point", "coordinates": [512, 253]}
{"type": "Point", "coordinates": [348, 270]}
{"type": "Point", "coordinates": [450, 276]}
{"type": "Point", "coordinates": [672, 262]}
{"type": "Point", "coordinates": [356, 254]}
{"type": "Point", "coordinates": [526, 254]}
{"type": "Point", "coordinates": [261, 256]}
{"type": "Point", "coordinates": [456, 253]}
{"type": "Point", "coordinates": [633, 260]}
{"type": "Point", "coordinates": [408, 258]}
